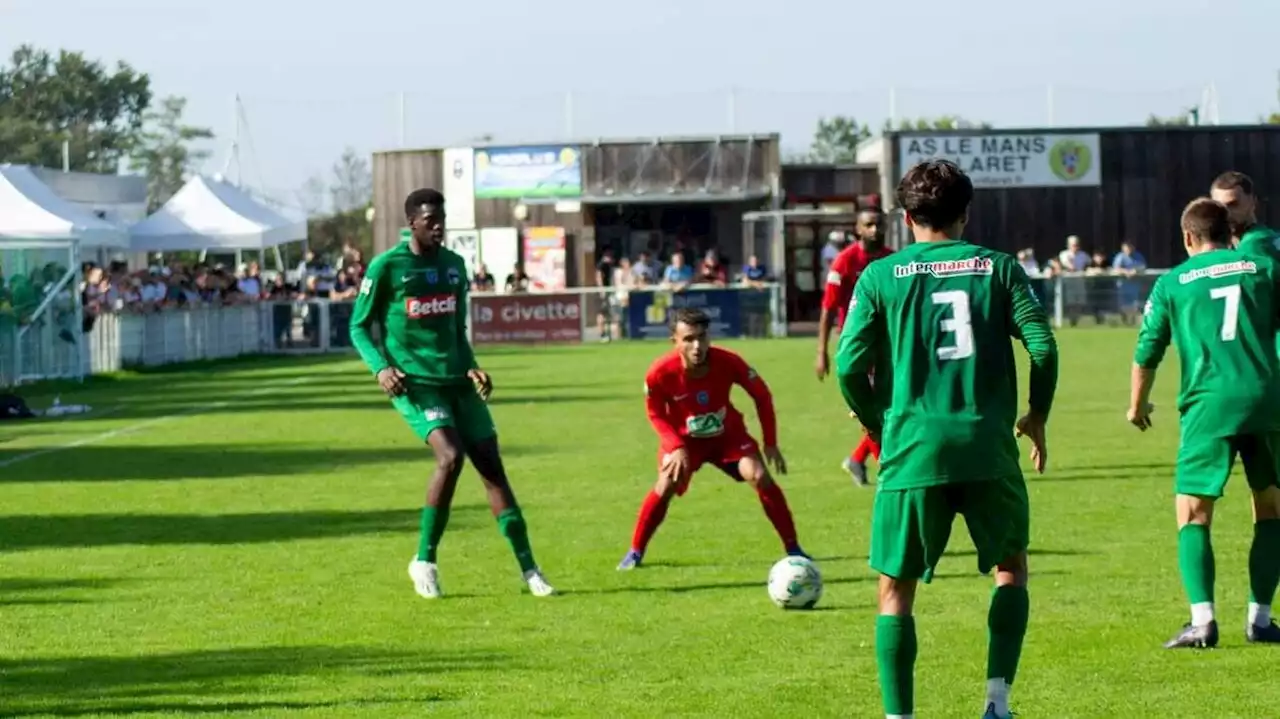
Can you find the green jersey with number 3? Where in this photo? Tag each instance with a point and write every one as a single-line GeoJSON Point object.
{"type": "Point", "coordinates": [935, 321]}
{"type": "Point", "coordinates": [1220, 310]}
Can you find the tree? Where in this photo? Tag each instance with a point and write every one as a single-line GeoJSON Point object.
{"type": "Point", "coordinates": [1189, 117]}
{"type": "Point", "coordinates": [1274, 118]}
{"type": "Point", "coordinates": [942, 122]}
{"type": "Point", "coordinates": [313, 196]}
{"type": "Point", "coordinates": [164, 153]}
{"type": "Point", "coordinates": [47, 99]}
{"type": "Point", "coordinates": [836, 140]}
{"type": "Point", "coordinates": [352, 186]}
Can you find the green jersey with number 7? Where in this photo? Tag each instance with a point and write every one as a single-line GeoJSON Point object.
{"type": "Point", "coordinates": [936, 321]}
{"type": "Point", "coordinates": [1220, 310]}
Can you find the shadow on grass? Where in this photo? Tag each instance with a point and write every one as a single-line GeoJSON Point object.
{"type": "Point", "coordinates": [219, 681]}
{"type": "Point", "coordinates": [26, 592]}
{"type": "Point", "coordinates": [45, 531]}
{"type": "Point", "coordinates": [1034, 552]}
{"type": "Point", "coordinates": [115, 462]}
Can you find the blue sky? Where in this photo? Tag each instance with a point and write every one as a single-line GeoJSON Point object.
{"type": "Point", "coordinates": [316, 77]}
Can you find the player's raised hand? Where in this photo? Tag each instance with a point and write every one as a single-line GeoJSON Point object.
{"type": "Point", "coordinates": [773, 456]}
{"type": "Point", "coordinates": [1031, 426]}
{"type": "Point", "coordinates": [1141, 417]}
{"type": "Point", "coordinates": [483, 383]}
{"type": "Point", "coordinates": [391, 380]}
{"type": "Point", "coordinates": [822, 367]}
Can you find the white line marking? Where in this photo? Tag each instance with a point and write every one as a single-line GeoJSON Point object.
{"type": "Point", "coordinates": [94, 439]}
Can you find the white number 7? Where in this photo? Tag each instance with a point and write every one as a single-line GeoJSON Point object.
{"type": "Point", "coordinates": [960, 324]}
{"type": "Point", "coordinates": [1230, 309]}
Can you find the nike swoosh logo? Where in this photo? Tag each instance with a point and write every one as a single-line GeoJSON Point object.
{"type": "Point", "coordinates": [407, 278]}
{"type": "Point", "coordinates": [679, 397]}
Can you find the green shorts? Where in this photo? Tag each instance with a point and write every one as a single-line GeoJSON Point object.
{"type": "Point", "coordinates": [427, 409]}
{"type": "Point", "coordinates": [1204, 464]}
{"type": "Point", "coordinates": [910, 527]}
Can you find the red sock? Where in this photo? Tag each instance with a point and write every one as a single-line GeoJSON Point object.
{"type": "Point", "coordinates": [652, 512]}
{"type": "Point", "coordinates": [873, 446]}
{"type": "Point", "coordinates": [864, 448]}
{"type": "Point", "coordinates": [776, 509]}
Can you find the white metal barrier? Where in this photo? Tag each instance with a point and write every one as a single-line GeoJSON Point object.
{"type": "Point", "coordinates": [1082, 298]}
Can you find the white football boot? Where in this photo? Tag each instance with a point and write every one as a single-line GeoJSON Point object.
{"type": "Point", "coordinates": [538, 585]}
{"type": "Point", "coordinates": [426, 578]}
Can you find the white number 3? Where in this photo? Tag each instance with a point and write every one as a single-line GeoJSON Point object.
{"type": "Point", "coordinates": [1230, 309]}
{"type": "Point", "coordinates": [960, 325]}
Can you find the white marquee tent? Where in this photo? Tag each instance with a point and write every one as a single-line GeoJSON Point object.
{"type": "Point", "coordinates": [30, 211]}
{"type": "Point", "coordinates": [211, 214]}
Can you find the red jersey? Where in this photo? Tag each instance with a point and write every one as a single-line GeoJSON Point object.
{"type": "Point", "coordinates": [845, 270]}
{"type": "Point", "coordinates": [685, 408]}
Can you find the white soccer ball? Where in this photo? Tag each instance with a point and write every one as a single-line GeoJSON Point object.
{"type": "Point", "coordinates": [795, 583]}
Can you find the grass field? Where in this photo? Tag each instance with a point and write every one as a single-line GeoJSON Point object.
{"type": "Point", "coordinates": [233, 540]}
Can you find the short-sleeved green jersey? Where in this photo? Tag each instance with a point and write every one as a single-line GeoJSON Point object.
{"type": "Point", "coordinates": [935, 321]}
{"type": "Point", "coordinates": [1259, 241]}
{"type": "Point", "coordinates": [421, 303]}
{"type": "Point", "coordinates": [1220, 309]}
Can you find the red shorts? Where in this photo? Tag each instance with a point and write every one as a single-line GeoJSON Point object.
{"type": "Point", "coordinates": [724, 452]}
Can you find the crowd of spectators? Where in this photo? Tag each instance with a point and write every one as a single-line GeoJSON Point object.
{"type": "Point", "coordinates": [1113, 284]}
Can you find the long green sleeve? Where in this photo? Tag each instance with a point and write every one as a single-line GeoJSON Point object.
{"type": "Point", "coordinates": [855, 356]}
{"type": "Point", "coordinates": [370, 308]}
{"type": "Point", "coordinates": [1031, 324]}
{"type": "Point", "coordinates": [1156, 332]}
{"type": "Point", "coordinates": [465, 351]}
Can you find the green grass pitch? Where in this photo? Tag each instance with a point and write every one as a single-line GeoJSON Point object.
{"type": "Point", "coordinates": [232, 540]}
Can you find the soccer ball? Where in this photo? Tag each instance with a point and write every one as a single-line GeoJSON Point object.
{"type": "Point", "coordinates": [795, 583]}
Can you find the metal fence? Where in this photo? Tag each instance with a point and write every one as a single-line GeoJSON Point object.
{"type": "Point", "coordinates": [56, 346]}
{"type": "Point", "coordinates": [113, 342]}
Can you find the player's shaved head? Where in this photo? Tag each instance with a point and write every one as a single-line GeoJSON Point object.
{"type": "Point", "coordinates": [414, 203]}
{"type": "Point", "coordinates": [935, 194]}
{"type": "Point", "coordinates": [1207, 221]}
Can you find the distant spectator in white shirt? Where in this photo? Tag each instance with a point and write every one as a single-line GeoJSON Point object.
{"type": "Point", "coordinates": [1027, 258]}
{"type": "Point", "coordinates": [1074, 258]}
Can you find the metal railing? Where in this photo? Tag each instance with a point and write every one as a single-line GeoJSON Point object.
{"type": "Point", "coordinates": [114, 342]}
{"type": "Point", "coordinates": [1082, 299]}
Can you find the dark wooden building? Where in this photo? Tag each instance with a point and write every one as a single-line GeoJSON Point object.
{"type": "Point", "coordinates": [1147, 177]}
{"type": "Point", "coordinates": [636, 194]}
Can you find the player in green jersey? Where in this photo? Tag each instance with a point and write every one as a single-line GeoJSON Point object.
{"type": "Point", "coordinates": [1220, 309]}
{"type": "Point", "coordinates": [941, 313]}
{"type": "Point", "coordinates": [417, 293]}
{"type": "Point", "coordinates": [1235, 191]}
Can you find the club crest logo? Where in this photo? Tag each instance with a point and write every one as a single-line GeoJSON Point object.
{"type": "Point", "coordinates": [703, 398]}
{"type": "Point", "coordinates": [454, 276]}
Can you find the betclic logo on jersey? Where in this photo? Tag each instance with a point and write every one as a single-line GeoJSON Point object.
{"type": "Point", "coordinates": [416, 308]}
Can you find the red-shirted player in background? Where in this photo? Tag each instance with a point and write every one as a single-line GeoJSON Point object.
{"type": "Point", "coordinates": [844, 273]}
{"type": "Point", "coordinates": [687, 398]}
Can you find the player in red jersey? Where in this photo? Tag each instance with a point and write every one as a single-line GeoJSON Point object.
{"type": "Point", "coordinates": [844, 273]}
{"type": "Point", "coordinates": [687, 398]}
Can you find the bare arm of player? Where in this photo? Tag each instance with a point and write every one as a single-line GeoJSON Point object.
{"type": "Point", "coordinates": [834, 289]}
{"type": "Point", "coordinates": [1153, 341]}
{"type": "Point", "coordinates": [855, 356]}
{"type": "Point", "coordinates": [655, 404]}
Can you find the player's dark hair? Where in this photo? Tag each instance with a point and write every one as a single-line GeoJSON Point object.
{"type": "Point", "coordinates": [935, 194]}
{"type": "Point", "coordinates": [418, 198]}
{"type": "Point", "coordinates": [691, 316]}
{"type": "Point", "coordinates": [1233, 180]}
{"type": "Point", "coordinates": [1208, 221]}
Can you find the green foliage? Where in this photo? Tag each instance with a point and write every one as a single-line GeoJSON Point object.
{"type": "Point", "coordinates": [337, 209]}
{"type": "Point", "coordinates": [1183, 120]}
{"type": "Point", "coordinates": [943, 122]}
{"type": "Point", "coordinates": [164, 153]}
{"type": "Point", "coordinates": [46, 99]}
{"type": "Point", "coordinates": [836, 140]}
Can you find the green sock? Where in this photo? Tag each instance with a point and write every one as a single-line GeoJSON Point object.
{"type": "Point", "coordinates": [1195, 561]}
{"type": "Point", "coordinates": [1006, 627]}
{"type": "Point", "coordinates": [511, 524]}
{"type": "Point", "coordinates": [896, 660]}
{"type": "Point", "coordinates": [434, 520]}
{"type": "Point", "coordinates": [1264, 562]}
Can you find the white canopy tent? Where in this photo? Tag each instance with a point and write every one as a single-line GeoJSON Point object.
{"type": "Point", "coordinates": [30, 211]}
{"type": "Point", "coordinates": [214, 215]}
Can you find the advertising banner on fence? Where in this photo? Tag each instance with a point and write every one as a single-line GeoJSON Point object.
{"type": "Point", "coordinates": [544, 258]}
{"type": "Point", "coordinates": [513, 319]}
{"type": "Point", "coordinates": [459, 188]}
{"type": "Point", "coordinates": [996, 160]}
{"type": "Point", "coordinates": [528, 172]}
{"type": "Point", "coordinates": [647, 312]}
{"type": "Point", "coordinates": [467, 244]}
